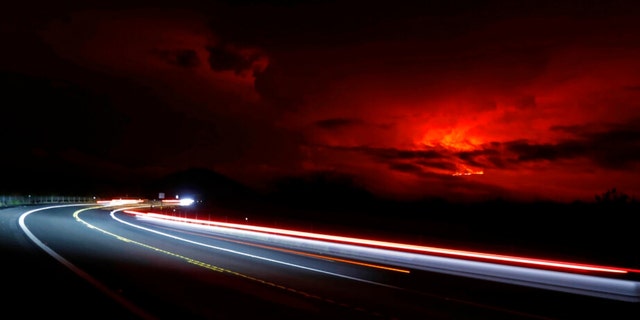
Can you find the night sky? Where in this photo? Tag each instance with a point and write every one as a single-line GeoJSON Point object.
{"type": "Point", "coordinates": [464, 100]}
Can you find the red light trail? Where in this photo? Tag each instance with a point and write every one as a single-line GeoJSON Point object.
{"type": "Point", "coordinates": [404, 247]}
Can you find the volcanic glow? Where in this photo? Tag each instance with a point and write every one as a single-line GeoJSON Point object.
{"type": "Point", "coordinates": [545, 101]}
{"type": "Point", "coordinates": [452, 139]}
{"type": "Point", "coordinates": [467, 173]}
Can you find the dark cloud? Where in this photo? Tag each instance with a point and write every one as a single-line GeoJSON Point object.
{"type": "Point", "coordinates": [526, 102]}
{"type": "Point", "coordinates": [612, 146]}
{"type": "Point", "coordinates": [497, 161]}
{"type": "Point", "coordinates": [329, 23]}
{"type": "Point", "coordinates": [470, 155]}
{"type": "Point", "coordinates": [185, 58]}
{"type": "Point", "coordinates": [429, 169]}
{"type": "Point", "coordinates": [336, 123]}
{"type": "Point", "coordinates": [484, 157]}
{"type": "Point", "coordinates": [442, 165]}
{"type": "Point", "coordinates": [616, 149]}
{"type": "Point", "coordinates": [223, 60]}
{"type": "Point", "coordinates": [230, 58]}
{"type": "Point", "coordinates": [399, 154]}
{"type": "Point", "coordinates": [391, 153]}
{"type": "Point", "coordinates": [275, 86]}
{"type": "Point", "coordinates": [406, 167]}
{"type": "Point", "coordinates": [607, 146]}
{"type": "Point", "coordinates": [526, 151]}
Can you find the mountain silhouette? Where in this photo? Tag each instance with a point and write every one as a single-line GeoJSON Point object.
{"type": "Point", "coordinates": [203, 184]}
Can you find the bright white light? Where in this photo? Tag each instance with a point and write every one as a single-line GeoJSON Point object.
{"type": "Point", "coordinates": [181, 202]}
{"type": "Point", "coordinates": [186, 202]}
{"type": "Point", "coordinates": [118, 202]}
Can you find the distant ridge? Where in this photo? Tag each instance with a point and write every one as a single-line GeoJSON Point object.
{"type": "Point", "coordinates": [202, 183]}
{"type": "Point", "coordinates": [322, 189]}
{"type": "Point", "coordinates": [309, 192]}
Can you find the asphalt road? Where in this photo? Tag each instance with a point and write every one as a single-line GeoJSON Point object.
{"type": "Point", "coordinates": [77, 263]}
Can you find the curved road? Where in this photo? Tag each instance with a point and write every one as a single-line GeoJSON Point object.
{"type": "Point", "coordinates": [81, 260]}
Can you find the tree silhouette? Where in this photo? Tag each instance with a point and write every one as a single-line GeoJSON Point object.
{"type": "Point", "coordinates": [613, 196]}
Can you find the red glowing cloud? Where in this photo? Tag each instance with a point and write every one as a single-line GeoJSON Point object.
{"type": "Point", "coordinates": [550, 114]}
{"type": "Point", "coordinates": [542, 100]}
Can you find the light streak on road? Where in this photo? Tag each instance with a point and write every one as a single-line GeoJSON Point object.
{"type": "Point", "coordinates": [440, 260]}
{"type": "Point", "coordinates": [119, 202]}
{"type": "Point", "coordinates": [317, 256]}
{"type": "Point", "coordinates": [233, 251]}
{"type": "Point", "coordinates": [402, 246]}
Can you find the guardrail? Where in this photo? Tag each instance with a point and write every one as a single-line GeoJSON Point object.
{"type": "Point", "coordinates": [19, 200]}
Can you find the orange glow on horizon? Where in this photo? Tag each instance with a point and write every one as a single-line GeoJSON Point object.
{"type": "Point", "coordinates": [453, 139]}
{"type": "Point", "coordinates": [466, 171]}
{"type": "Point", "coordinates": [404, 247]}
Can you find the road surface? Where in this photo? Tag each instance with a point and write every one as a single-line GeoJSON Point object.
{"type": "Point", "coordinates": [76, 261]}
